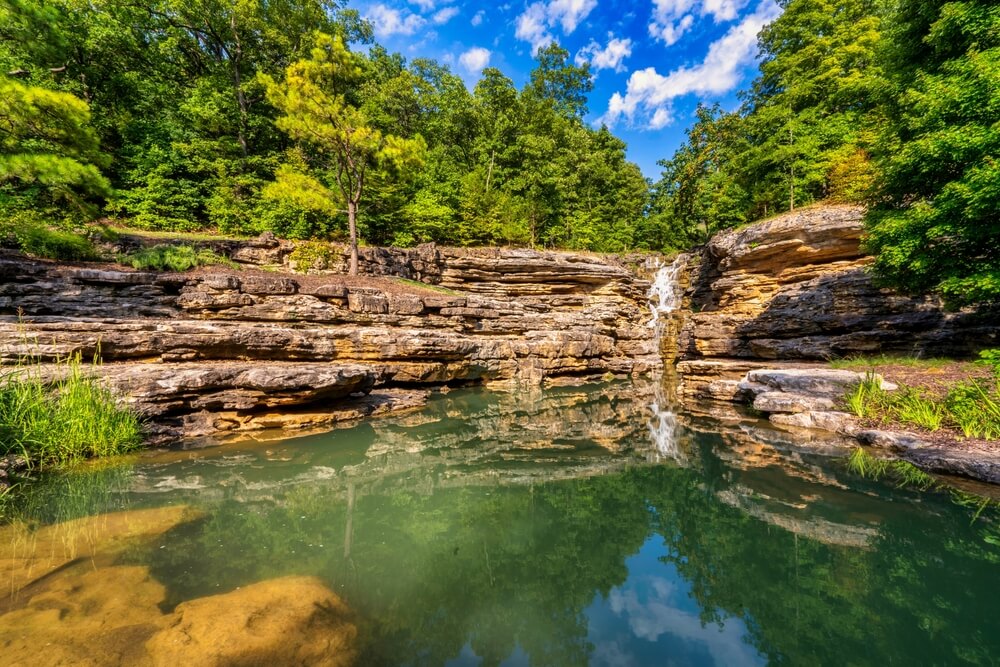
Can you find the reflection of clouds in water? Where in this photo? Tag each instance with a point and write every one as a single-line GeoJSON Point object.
{"type": "Point", "coordinates": [652, 616]}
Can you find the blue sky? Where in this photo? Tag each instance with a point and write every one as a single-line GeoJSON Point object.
{"type": "Point", "coordinates": [654, 60]}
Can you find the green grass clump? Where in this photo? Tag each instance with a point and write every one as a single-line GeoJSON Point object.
{"type": "Point", "coordinates": [72, 418]}
{"type": "Point", "coordinates": [177, 258]}
{"type": "Point", "coordinates": [867, 399]}
{"type": "Point", "coordinates": [972, 407]}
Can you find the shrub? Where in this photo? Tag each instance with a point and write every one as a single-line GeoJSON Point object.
{"type": "Point", "coordinates": [54, 244]}
{"type": "Point", "coordinates": [313, 255]}
{"type": "Point", "coordinates": [178, 258]}
{"type": "Point", "coordinates": [73, 417]}
{"type": "Point", "coordinates": [29, 233]}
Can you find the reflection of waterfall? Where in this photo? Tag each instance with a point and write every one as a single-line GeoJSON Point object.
{"type": "Point", "coordinates": [665, 294]}
{"type": "Point", "coordinates": [663, 432]}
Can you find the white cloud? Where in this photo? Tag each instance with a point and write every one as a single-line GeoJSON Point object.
{"type": "Point", "coordinates": [673, 18]}
{"type": "Point", "coordinates": [609, 57]}
{"type": "Point", "coordinates": [538, 18]}
{"type": "Point", "coordinates": [670, 32]}
{"type": "Point", "coordinates": [444, 15]}
{"type": "Point", "coordinates": [425, 5]}
{"type": "Point", "coordinates": [649, 93]}
{"type": "Point", "coordinates": [478, 18]}
{"type": "Point", "coordinates": [388, 21]}
{"type": "Point", "coordinates": [475, 59]}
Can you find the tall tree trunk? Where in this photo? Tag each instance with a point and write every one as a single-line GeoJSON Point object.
{"type": "Point", "coordinates": [352, 225]}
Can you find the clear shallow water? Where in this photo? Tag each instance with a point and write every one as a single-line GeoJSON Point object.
{"type": "Point", "coordinates": [572, 527]}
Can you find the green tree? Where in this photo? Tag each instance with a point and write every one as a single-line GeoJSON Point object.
{"type": "Point", "coordinates": [48, 151]}
{"type": "Point", "coordinates": [339, 139]}
{"type": "Point", "coordinates": [699, 192]}
{"type": "Point", "coordinates": [935, 221]}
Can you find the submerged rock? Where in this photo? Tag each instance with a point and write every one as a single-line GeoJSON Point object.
{"type": "Point", "coordinates": [28, 555]}
{"type": "Point", "coordinates": [111, 616]}
{"type": "Point", "coordinates": [287, 621]}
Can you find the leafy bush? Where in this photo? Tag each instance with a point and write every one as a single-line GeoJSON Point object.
{"type": "Point", "coordinates": [55, 244]}
{"type": "Point", "coordinates": [991, 358]}
{"type": "Point", "coordinates": [27, 232]}
{"type": "Point", "coordinates": [313, 255]}
{"type": "Point", "coordinates": [71, 418]}
{"type": "Point", "coordinates": [178, 258]}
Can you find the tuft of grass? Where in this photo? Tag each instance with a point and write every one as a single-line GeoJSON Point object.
{"type": "Point", "coordinates": [912, 407]}
{"type": "Point", "coordinates": [974, 407]}
{"type": "Point", "coordinates": [177, 258]}
{"type": "Point", "coordinates": [867, 399]}
{"type": "Point", "coordinates": [175, 235]}
{"type": "Point", "coordinates": [861, 363]}
{"type": "Point", "coordinates": [73, 417]}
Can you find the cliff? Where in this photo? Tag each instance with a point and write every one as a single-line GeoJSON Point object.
{"type": "Point", "coordinates": [226, 350]}
{"type": "Point", "coordinates": [796, 288]}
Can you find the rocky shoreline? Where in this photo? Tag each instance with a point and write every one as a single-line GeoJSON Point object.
{"type": "Point", "coordinates": [221, 351]}
{"type": "Point", "coordinates": [767, 305]}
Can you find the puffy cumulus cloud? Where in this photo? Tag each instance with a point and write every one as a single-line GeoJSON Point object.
{"type": "Point", "coordinates": [673, 18]}
{"type": "Point", "coordinates": [388, 21]}
{"type": "Point", "coordinates": [608, 57]}
{"type": "Point", "coordinates": [649, 94]}
{"type": "Point", "coordinates": [478, 18]}
{"type": "Point", "coordinates": [425, 5]}
{"type": "Point", "coordinates": [444, 15]}
{"type": "Point", "coordinates": [475, 59]}
{"type": "Point", "coordinates": [538, 18]}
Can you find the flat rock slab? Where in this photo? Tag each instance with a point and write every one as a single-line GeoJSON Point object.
{"type": "Point", "coordinates": [779, 401]}
{"type": "Point", "coordinates": [829, 383]}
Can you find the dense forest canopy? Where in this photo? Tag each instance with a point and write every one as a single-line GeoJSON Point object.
{"type": "Point", "coordinates": [196, 114]}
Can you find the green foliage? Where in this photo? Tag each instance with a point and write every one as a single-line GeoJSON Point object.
{"type": "Point", "coordinates": [71, 418]}
{"type": "Point", "coordinates": [804, 132]}
{"type": "Point", "coordinates": [48, 150]}
{"type": "Point", "coordinates": [991, 358]}
{"type": "Point", "coordinates": [170, 257]}
{"type": "Point", "coordinates": [972, 407]}
{"type": "Point", "coordinates": [313, 256]}
{"type": "Point", "coordinates": [935, 225]}
{"type": "Point", "coordinates": [32, 236]}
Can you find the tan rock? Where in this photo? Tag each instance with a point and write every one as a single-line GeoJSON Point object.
{"type": "Point", "coordinates": [287, 621]}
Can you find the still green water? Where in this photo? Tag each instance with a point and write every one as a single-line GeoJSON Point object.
{"type": "Point", "coordinates": [573, 527]}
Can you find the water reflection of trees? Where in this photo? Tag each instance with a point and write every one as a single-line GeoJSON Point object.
{"type": "Point", "coordinates": [492, 522]}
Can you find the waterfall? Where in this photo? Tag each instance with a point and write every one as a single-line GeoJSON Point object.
{"type": "Point", "coordinates": [665, 293]}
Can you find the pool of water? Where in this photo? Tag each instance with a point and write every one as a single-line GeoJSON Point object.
{"type": "Point", "coordinates": [572, 526]}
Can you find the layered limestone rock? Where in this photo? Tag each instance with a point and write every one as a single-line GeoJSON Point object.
{"type": "Point", "coordinates": [228, 349]}
{"type": "Point", "coordinates": [795, 289]}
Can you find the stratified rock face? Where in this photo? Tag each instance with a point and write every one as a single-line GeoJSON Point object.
{"type": "Point", "coordinates": [795, 289]}
{"type": "Point", "coordinates": [218, 348]}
